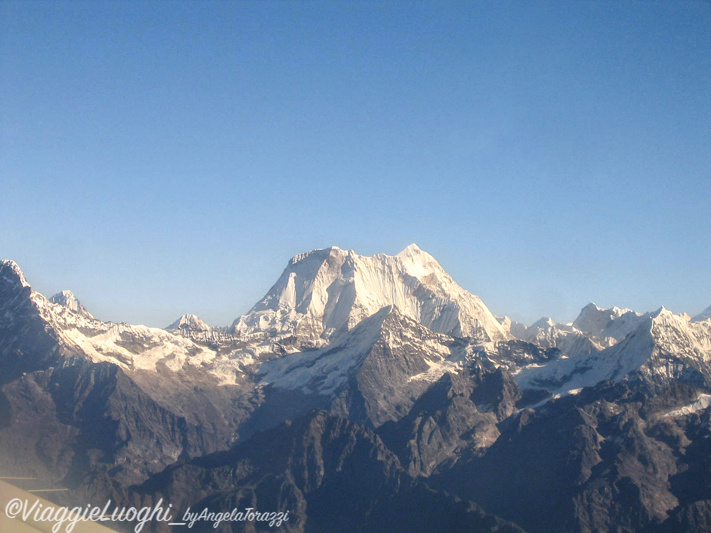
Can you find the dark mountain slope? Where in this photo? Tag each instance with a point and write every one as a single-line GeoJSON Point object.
{"type": "Point", "coordinates": [331, 475]}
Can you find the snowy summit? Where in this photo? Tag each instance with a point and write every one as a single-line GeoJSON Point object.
{"type": "Point", "coordinates": [325, 292]}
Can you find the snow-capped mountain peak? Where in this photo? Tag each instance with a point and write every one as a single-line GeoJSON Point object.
{"type": "Point", "coordinates": [664, 346]}
{"type": "Point", "coordinates": [412, 249]}
{"type": "Point", "coordinates": [11, 272]}
{"type": "Point", "coordinates": [593, 319]}
{"type": "Point", "coordinates": [545, 322]}
{"type": "Point", "coordinates": [324, 292]}
{"type": "Point", "coordinates": [614, 323]}
{"type": "Point", "coordinates": [67, 299]}
{"type": "Point", "coordinates": [420, 264]}
{"type": "Point", "coordinates": [516, 329]}
{"type": "Point", "coordinates": [190, 322]}
{"type": "Point", "coordinates": [75, 333]}
{"type": "Point", "coordinates": [379, 366]}
{"type": "Point", "coordinates": [661, 312]}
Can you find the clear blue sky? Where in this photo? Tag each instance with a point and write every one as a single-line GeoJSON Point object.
{"type": "Point", "coordinates": [159, 158]}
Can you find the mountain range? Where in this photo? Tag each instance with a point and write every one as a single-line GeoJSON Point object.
{"type": "Point", "coordinates": [379, 378]}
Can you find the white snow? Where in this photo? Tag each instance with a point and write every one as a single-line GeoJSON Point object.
{"type": "Point", "coordinates": [661, 332]}
{"type": "Point", "coordinates": [324, 370]}
{"type": "Point", "coordinates": [437, 370]}
{"type": "Point", "coordinates": [68, 300]}
{"type": "Point", "coordinates": [614, 323]}
{"type": "Point", "coordinates": [132, 347]}
{"type": "Point", "coordinates": [545, 322]}
{"type": "Point", "coordinates": [12, 273]}
{"type": "Point", "coordinates": [190, 322]}
{"type": "Point", "coordinates": [565, 337]}
{"type": "Point", "coordinates": [335, 300]}
{"type": "Point", "coordinates": [517, 329]}
{"type": "Point", "coordinates": [330, 290]}
{"type": "Point", "coordinates": [701, 403]}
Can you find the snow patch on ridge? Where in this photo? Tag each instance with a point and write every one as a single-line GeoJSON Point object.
{"type": "Point", "coordinates": [702, 402]}
{"type": "Point", "coordinates": [131, 347]}
{"type": "Point", "coordinates": [323, 371]}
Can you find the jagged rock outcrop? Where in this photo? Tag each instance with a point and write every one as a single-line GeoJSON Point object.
{"type": "Point", "coordinates": [607, 459]}
{"type": "Point", "coordinates": [330, 474]}
{"type": "Point", "coordinates": [457, 415]}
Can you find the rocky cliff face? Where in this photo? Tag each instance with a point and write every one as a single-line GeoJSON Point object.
{"type": "Point", "coordinates": [457, 416]}
{"type": "Point", "coordinates": [610, 458]}
{"type": "Point", "coordinates": [329, 473]}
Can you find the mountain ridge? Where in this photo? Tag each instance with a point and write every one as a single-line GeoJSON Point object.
{"type": "Point", "coordinates": [99, 407]}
